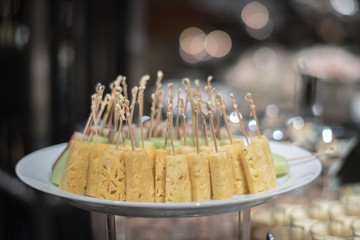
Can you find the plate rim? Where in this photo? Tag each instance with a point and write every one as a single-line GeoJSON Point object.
{"type": "Point", "coordinates": [247, 199]}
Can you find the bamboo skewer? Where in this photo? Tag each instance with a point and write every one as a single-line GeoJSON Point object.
{"type": "Point", "coordinates": [142, 87]}
{"type": "Point", "coordinates": [152, 114]}
{"type": "Point", "coordinates": [239, 117]}
{"type": "Point", "coordinates": [177, 114]}
{"type": "Point", "coordinates": [123, 83]}
{"type": "Point", "coordinates": [115, 88]}
{"type": "Point", "coordinates": [329, 151]}
{"type": "Point", "coordinates": [203, 113]}
{"type": "Point", "coordinates": [159, 111]}
{"type": "Point", "coordinates": [92, 115]}
{"type": "Point", "coordinates": [196, 114]}
{"type": "Point", "coordinates": [223, 109]}
{"type": "Point", "coordinates": [249, 99]}
{"type": "Point", "coordinates": [183, 120]}
{"type": "Point", "coordinates": [170, 119]}
{"type": "Point", "coordinates": [211, 120]}
{"type": "Point", "coordinates": [134, 92]}
{"type": "Point", "coordinates": [128, 117]}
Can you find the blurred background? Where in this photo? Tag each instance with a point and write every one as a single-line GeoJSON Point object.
{"type": "Point", "coordinates": [298, 58]}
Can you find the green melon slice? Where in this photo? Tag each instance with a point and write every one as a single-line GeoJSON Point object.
{"type": "Point", "coordinates": [281, 165]}
{"type": "Point", "coordinates": [59, 168]}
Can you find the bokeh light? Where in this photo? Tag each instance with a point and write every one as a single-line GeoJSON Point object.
{"type": "Point", "coordinates": [196, 46]}
{"type": "Point", "coordinates": [233, 117]}
{"type": "Point", "coordinates": [345, 7]}
{"type": "Point", "coordinates": [192, 40]}
{"type": "Point", "coordinates": [218, 43]}
{"type": "Point", "coordinates": [327, 135]}
{"type": "Point", "coordinates": [278, 135]}
{"type": "Point", "coordinates": [252, 125]}
{"type": "Point", "coordinates": [272, 110]}
{"type": "Point", "coordinates": [255, 15]}
{"type": "Point", "coordinates": [265, 59]}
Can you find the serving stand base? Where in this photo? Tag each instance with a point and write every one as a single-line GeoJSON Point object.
{"type": "Point", "coordinates": [235, 225]}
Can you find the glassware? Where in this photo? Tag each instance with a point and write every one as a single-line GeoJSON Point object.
{"type": "Point", "coordinates": [355, 226]}
{"type": "Point", "coordinates": [332, 230]}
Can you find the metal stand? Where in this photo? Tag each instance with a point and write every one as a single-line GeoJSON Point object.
{"type": "Point", "coordinates": [244, 224]}
{"type": "Point", "coordinates": [124, 227]}
{"type": "Point", "coordinates": [111, 227]}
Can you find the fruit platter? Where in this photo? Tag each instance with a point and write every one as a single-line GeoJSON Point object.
{"type": "Point", "coordinates": [156, 169]}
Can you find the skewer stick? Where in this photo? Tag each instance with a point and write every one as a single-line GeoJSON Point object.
{"type": "Point", "coordinates": [128, 116]}
{"type": "Point", "coordinates": [159, 110]}
{"type": "Point", "coordinates": [203, 113]}
{"type": "Point", "coordinates": [153, 106]}
{"type": "Point", "coordinates": [187, 85]}
{"type": "Point", "coordinates": [134, 92]}
{"type": "Point", "coordinates": [329, 151]}
{"type": "Point", "coordinates": [142, 87]}
{"type": "Point", "coordinates": [118, 120]}
{"type": "Point", "coordinates": [197, 84]}
{"type": "Point", "coordinates": [177, 114]}
{"type": "Point", "coordinates": [167, 123]}
{"type": "Point", "coordinates": [171, 92]}
{"type": "Point", "coordinates": [211, 120]}
{"type": "Point", "coordinates": [121, 128]}
{"type": "Point", "coordinates": [223, 109]}
{"type": "Point", "coordinates": [218, 113]}
{"type": "Point", "coordinates": [249, 99]}
{"type": "Point", "coordinates": [160, 76]}
{"type": "Point", "coordinates": [91, 116]}
{"type": "Point", "coordinates": [102, 104]}
{"type": "Point", "coordinates": [115, 88]}
{"type": "Point", "coordinates": [183, 120]}
{"type": "Point", "coordinates": [196, 116]}
{"type": "Point", "coordinates": [167, 131]}
{"type": "Point", "coordinates": [158, 97]}
{"type": "Point", "coordinates": [123, 83]}
{"type": "Point", "coordinates": [208, 88]}
{"type": "Point", "coordinates": [239, 117]}
{"type": "Point", "coordinates": [170, 117]}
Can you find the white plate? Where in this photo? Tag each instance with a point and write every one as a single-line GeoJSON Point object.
{"type": "Point", "coordinates": [35, 170]}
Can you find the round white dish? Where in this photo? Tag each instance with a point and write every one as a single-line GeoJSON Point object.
{"type": "Point", "coordinates": [35, 170]}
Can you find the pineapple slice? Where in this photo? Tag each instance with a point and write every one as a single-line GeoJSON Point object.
{"type": "Point", "coordinates": [96, 151]}
{"type": "Point", "coordinates": [139, 176]}
{"type": "Point", "coordinates": [184, 149]}
{"type": "Point", "coordinates": [178, 185]}
{"type": "Point", "coordinates": [74, 177]}
{"type": "Point", "coordinates": [221, 175]}
{"type": "Point", "coordinates": [235, 153]}
{"type": "Point", "coordinates": [111, 176]}
{"type": "Point", "coordinates": [160, 174]}
{"type": "Point", "coordinates": [200, 177]}
{"type": "Point", "coordinates": [263, 143]}
{"type": "Point", "coordinates": [257, 170]}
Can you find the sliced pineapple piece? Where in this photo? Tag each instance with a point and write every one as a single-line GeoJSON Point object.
{"type": "Point", "coordinates": [221, 175]}
{"type": "Point", "coordinates": [74, 177]}
{"type": "Point", "coordinates": [178, 185]}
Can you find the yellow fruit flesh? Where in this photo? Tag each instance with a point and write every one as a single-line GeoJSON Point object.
{"type": "Point", "coordinates": [139, 176]}
{"type": "Point", "coordinates": [76, 168]}
{"type": "Point", "coordinates": [96, 150]}
{"type": "Point", "coordinates": [200, 177]}
{"type": "Point", "coordinates": [178, 186]}
{"type": "Point", "coordinates": [256, 167]}
{"type": "Point", "coordinates": [263, 143]}
{"type": "Point", "coordinates": [221, 175]}
{"type": "Point", "coordinates": [235, 153]}
{"type": "Point", "coordinates": [111, 182]}
{"type": "Point", "coordinates": [160, 174]}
